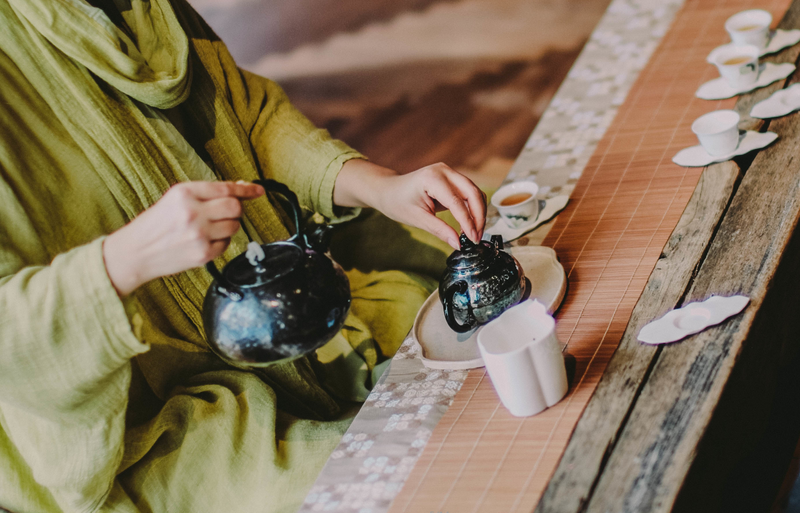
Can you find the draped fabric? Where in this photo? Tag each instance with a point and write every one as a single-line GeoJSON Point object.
{"type": "Point", "coordinates": [108, 405]}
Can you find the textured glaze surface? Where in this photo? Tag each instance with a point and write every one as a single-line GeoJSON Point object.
{"type": "Point", "coordinates": [279, 303]}
{"type": "Point", "coordinates": [483, 282]}
{"type": "Point", "coordinates": [282, 319]}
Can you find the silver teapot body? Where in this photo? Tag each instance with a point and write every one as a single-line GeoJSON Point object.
{"type": "Point", "coordinates": [278, 301]}
{"type": "Point", "coordinates": [481, 282]}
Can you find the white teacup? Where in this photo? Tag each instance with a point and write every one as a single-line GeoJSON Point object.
{"type": "Point", "coordinates": [750, 28]}
{"type": "Point", "coordinates": [718, 131]}
{"type": "Point", "coordinates": [738, 65]}
{"type": "Point", "coordinates": [517, 203]}
{"type": "Point", "coordinates": [523, 358]}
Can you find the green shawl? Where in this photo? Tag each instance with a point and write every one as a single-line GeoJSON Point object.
{"type": "Point", "coordinates": [121, 407]}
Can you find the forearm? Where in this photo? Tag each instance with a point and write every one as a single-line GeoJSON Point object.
{"type": "Point", "coordinates": [414, 198]}
{"type": "Point", "coordinates": [359, 184]}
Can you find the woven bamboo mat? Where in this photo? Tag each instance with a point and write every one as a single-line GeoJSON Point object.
{"type": "Point", "coordinates": [624, 207]}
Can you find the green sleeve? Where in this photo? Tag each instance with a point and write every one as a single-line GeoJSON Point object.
{"type": "Point", "coordinates": [66, 342]}
{"type": "Point", "coordinates": [284, 144]}
{"type": "Point", "coordinates": [296, 152]}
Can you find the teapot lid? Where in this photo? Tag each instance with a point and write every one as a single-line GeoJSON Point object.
{"type": "Point", "coordinates": [471, 254]}
{"type": "Point", "coordinates": [263, 264]}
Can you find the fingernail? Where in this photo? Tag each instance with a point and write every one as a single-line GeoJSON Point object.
{"type": "Point", "coordinates": [241, 181]}
{"type": "Point", "coordinates": [453, 242]}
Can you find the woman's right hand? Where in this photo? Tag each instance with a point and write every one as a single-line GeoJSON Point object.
{"type": "Point", "coordinates": [189, 226]}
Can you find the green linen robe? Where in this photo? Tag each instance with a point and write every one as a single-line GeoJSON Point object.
{"type": "Point", "coordinates": [108, 405]}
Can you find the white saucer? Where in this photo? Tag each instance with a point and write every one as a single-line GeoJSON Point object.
{"type": "Point", "coordinates": [443, 348]}
{"type": "Point", "coordinates": [692, 318]}
{"type": "Point", "coordinates": [780, 39]}
{"type": "Point", "coordinates": [696, 156]}
{"type": "Point", "coordinates": [779, 104]}
{"type": "Point", "coordinates": [550, 208]}
{"type": "Point", "coordinates": [718, 89]}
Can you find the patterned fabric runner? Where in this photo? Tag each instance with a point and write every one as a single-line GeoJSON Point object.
{"type": "Point", "coordinates": [377, 454]}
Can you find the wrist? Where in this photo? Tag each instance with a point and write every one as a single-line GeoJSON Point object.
{"type": "Point", "coordinates": [360, 184]}
{"type": "Point", "coordinates": [122, 264]}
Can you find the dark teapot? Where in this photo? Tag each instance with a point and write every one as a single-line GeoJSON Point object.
{"type": "Point", "coordinates": [277, 301]}
{"type": "Point", "coordinates": [481, 281]}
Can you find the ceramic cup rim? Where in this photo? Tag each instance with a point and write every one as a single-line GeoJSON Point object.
{"type": "Point", "coordinates": [724, 54]}
{"type": "Point", "coordinates": [762, 17]}
{"type": "Point", "coordinates": [513, 187]}
{"type": "Point", "coordinates": [711, 124]}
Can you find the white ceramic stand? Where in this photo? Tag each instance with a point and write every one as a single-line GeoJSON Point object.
{"type": "Point", "coordinates": [443, 348]}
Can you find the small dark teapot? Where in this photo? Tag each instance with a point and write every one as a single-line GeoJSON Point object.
{"type": "Point", "coordinates": [277, 301]}
{"type": "Point", "coordinates": [481, 281]}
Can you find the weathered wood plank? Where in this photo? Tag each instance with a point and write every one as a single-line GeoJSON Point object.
{"type": "Point", "coordinates": [592, 446]}
{"type": "Point", "coordinates": [596, 432]}
{"type": "Point", "coordinates": [660, 441]}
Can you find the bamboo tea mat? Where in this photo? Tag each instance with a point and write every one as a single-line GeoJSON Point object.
{"type": "Point", "coordinates": [624, 207]}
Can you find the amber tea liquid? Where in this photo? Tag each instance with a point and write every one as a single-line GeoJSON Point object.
{"type": "Point", "coordinates": [736, 60]}
{"type": "Point", "coordinates": [515, 199]}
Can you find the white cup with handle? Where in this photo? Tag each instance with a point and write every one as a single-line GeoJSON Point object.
{"type": "Point", "coordinates": [523, 358]}
{"type": "Point", "coordinates": [738, 65]}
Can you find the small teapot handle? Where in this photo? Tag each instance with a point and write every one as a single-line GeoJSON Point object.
{"type": "Point", "coordinates": [227, 288]}
{"type": "Point", "coordinates": [459, 287]}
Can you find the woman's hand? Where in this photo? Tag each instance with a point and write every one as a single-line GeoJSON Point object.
{"type": "Point", "coordinates": [190, 225]}
{"type": "Point", "coordinates": [414, 198]}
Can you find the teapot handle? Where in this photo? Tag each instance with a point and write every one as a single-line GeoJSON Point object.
{"type": "Point", "coordinates": [447, 303]}
{"type": "Point", "coordinates": [283, 190]}
{"type": "Point", "coordinates": [223, 286]}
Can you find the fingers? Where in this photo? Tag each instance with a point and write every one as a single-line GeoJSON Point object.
{"type": "Point", "coordinates": [216, 248]}
{"type": "Point", "coordinates": [220, 230]}
{"type": "Point", "coordinates": [223, 208]}
{"type": "Point", "coordinates": [464, 200]}
{"type": "Point", "coordinates": [476, 200]}
{"type": "Point", "coordinates": [205, 191]}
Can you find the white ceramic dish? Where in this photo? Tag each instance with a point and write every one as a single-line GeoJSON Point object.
{"type": "Point", "coordinates": [718, 89]}
{"type": "Point", "coordinates": [696, 156]}
{"type": "Point", "coordinates": [443, 348]}
{"type": "Point", "coordinates": [780, 39]}
{"type": "Point", "coordinates": [781, 103]}
{"type": "Point", "coordinates": [523, 359]}
{"type": "Point", "coordinates": [547, 211]}
{"type": "Point", "coordinates": [692, 318]}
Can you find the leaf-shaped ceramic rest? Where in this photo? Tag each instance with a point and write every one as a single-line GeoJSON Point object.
{"type": "Point", "coordinates": [692, 318]}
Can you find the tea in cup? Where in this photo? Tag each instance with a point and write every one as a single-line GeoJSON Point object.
{"type": "Point", "coordinates": [517, 203]}
{"type": "Point", "coordinates": [750, 27]}
{"type": "Point", "coordinates": [718, 131]}
{"type": "Point", "coordinates": [738, 65]}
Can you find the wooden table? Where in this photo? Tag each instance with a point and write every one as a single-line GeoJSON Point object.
{"type": "Point", "coordinates": [707, 424]}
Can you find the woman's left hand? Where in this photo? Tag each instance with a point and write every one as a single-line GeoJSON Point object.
{"type": "Point", "coordinates": [414, 198]}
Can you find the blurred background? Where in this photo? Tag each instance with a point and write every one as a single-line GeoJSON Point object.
{"type": "Point", "coordinates": [414, 82]}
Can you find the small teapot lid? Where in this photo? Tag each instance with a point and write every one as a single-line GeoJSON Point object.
{"type": "Point", "coordinates": [473, 254]}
